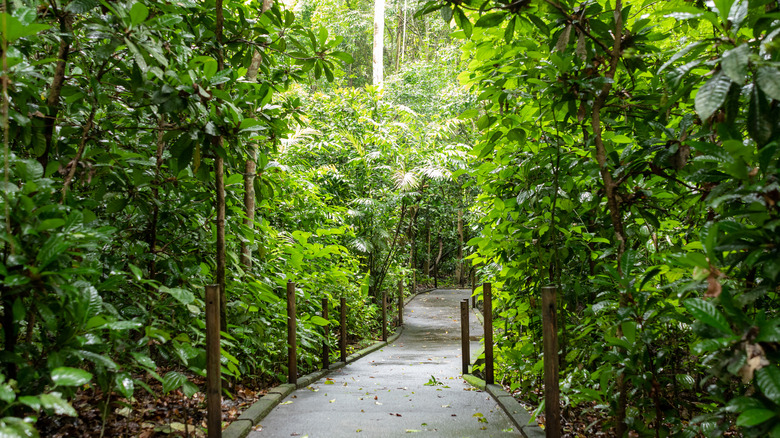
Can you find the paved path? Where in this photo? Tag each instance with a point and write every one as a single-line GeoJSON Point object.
{"type": "Point", "coordinates": [385, 394]}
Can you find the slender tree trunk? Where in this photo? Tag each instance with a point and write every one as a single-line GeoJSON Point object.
{"type": "Point", "coordinates": [379, 42]}
{"type": "Point", "coordinates": [403, 37]}
{"type": "Point", "coordinates": [74, 164]}
{"type": "Point", "coordinates": [250, 169]}
{"type": "Point", "coordinates": [610, 189]}
{"type": "Point", "coordinates": [53, 100]}
{"type": "Point", "coordinates": [151, 234]}
{"type": "Point", "coordinates": [219, 179]}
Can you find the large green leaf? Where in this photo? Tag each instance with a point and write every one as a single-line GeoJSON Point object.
{"type": "Point", "coordinates": [138, 13]}
{"type": "Point", "coordinates": [318, 320]}
{"type": "Point", "coordinates": [67, 376]}
{"type": "Point", "coordinates": [181, 295]}
{"type": "Point", "coordinates": [173, 380]}
{"type": "Point", "coordinates": [734, 63]}
{"type": "Point", "coordinates": [711, 95]}
{"type": "Point", "coordinates": [768, 78]}
{"type": "Point", "coordinates": [768, 381]}
{"type": "Point", "coordinates": [57, 404]}
{"type": "Point", "coordinates": [759, 118]}
{"type": "Point", "coordinates": [754, 417]}
{"type": "Point", "coordinates": [15, 29]}
{"type": "Point", "coordinates": [707, 313]}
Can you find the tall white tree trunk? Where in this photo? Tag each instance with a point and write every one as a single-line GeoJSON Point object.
{"type": "Point", "coordinates": [251, 166]}
{"type": "Point", "coordinates": [379, 42]}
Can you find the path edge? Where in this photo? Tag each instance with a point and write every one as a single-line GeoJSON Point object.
{"type": "Point", "coordinates": [522, 420]}
{"type": "Point", "coordinates": [241, 427]}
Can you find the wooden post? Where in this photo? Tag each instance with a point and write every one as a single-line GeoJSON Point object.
{"type": "Point", "coordinates": [292, 346]}
{"type": "Point", "coordinates": [487, 313]}
{"type": "Point", "coordinates": [213, 367]}
{"type": "Point", "coordinates": [400, 303]}
{"type": "Point", "coordinates": [464, 334]}
{"type": "Point", "coordinates": [552, 408]}
{"type": "Point", "coordinates": [326, 329]}
{"type": "Point", "coordinates": [384, 315]}
{"type": "Point", "coordinates": [473, 289]}
{"type": "Point", "coordinates": [343, 329]}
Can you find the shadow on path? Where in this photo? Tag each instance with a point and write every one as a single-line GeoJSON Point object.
{"type": "Point", "coordinates": [409, 388]}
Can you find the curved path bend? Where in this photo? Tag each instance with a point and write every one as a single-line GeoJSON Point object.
{"type": "Point", "coordinates": [412, 387]}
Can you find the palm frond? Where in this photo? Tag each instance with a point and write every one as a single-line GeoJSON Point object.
{"type": "Point", "coordinates": [406, 180]}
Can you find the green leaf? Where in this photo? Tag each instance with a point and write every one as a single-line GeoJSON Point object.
{"type": "Point", "coordinates": [463, 22]}
{"type": "Point", "coordinates": [173, 380]}
{"type": "Point", "coordinates": [51, 250]}
{"type": "Point", "coordinates": [181, 295]}
{"type": "Point", "coordinates": [491, 19]}
{"type": "Point", "coordinates": [446, 13]}
{"type": "Point", "coordinates": [67, 376]}
{"type": "Point", "coordinates": [707, 313]}
{"type": "Point", "coordinates": [31, 401]}
{"type": "Point", "coordinates": [137, 273]}
{"type": "Point", "coordinates": [189, 389]}
{"type": "Point", "coordinates": [509, 33]}
{"type": "Point", "coordinates": [7, 393]}
{"type": "Point", "coordinates": [754, 417]}
{"type": "Point", "coordinates": [124, 384]}
{"type": "Point", "coordinates": [768, 79]}
{"type": "Point", "coordinates": [734, 63]}
{"type": "Point", "coordinates": [50, 224]}
{"type": "Point", "coordinates": [320, 321]}
{"type": "Point", "coordinates": [759, 117]}
{"type": "Point", "coordinates": [344, 56]}
{"type": "Point", "coordinates": [55, 403]}
{"type": "Point", "coordinates": [15, 29]}
{"type": "Point", "coordinates": [768, 381]}
{"type": "Point", "coordinates": [137, 55]}
{"type": "Point", "coordinates": [621, 139]}
{"type": "Point", "coordinates": [711, 95]}
{"type": "Point", "coordinates": [138, 13]}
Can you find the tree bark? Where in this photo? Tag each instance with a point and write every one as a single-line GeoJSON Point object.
{"type": "Point", "coordinates": [610, 189]}
{"type": "Point", "coordinates": [53, 99]}
{"type": "Point", "coordinates": [219, 180]}
{"type": "Point", "coordinates": [151, 234]}
{"type": "Point", "coordinates": [74, 164]}
{"type": "Point", "coordinates": [250, 169]}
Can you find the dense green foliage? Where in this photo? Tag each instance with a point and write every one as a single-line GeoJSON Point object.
{"type": "Point", "coordinates": [629, 155]}
{"type": "Point", "coordinates": [639, 173]}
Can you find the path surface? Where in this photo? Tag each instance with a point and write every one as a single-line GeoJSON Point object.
{"type": "Point", "coordinates": [385, 394]}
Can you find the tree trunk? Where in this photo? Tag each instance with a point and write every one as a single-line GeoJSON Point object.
{"type": "Point", "coordinates": [379, 42]}
{"type": "Point", "coordinates": [250, 170]}
{"type": "Point", "coordinates": [219, 179]}
{"type": "Point", "coordinates": [53, 100]}
{"type": "Point", "coordinates": [152, 229]}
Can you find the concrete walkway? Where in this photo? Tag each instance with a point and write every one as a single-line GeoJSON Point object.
{"type": "Point", "coordinates": [412, 386]}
